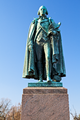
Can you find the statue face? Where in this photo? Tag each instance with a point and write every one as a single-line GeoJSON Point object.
{"type": "Point", "coordinates": [42, 11]}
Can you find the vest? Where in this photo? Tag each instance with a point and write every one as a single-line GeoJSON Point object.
{"type": "Point", "coordinates": [42, 30]}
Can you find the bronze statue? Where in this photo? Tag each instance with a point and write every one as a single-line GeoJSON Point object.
{"type": "Point", "coordinates": [44, 55]}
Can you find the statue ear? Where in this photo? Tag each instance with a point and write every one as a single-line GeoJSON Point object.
{"type": "Point", "coordinates": [38, 12]}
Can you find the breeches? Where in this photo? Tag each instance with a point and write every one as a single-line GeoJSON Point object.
{"type": "Point", "coordinates": [43, 49]}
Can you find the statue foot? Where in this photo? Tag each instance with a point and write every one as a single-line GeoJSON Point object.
{"type": "Point", "coordinates": [40, 80]}
{"type": "Point", "coordinates": [40, 77]}
{"type": "Point", "coordinates": [57, 78]}
{"type": "Point", "coordinates": [49, 79]}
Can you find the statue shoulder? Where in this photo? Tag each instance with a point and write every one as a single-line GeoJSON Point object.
{"type": "Point", "coordinates": [51, 20]}
{"type": "Point", "coordinates": [33, 24]}
{"type": "Point", "coordinates": [32, 27]}
{"type": "Point", "coordinates": [35, 20]}
{"type": "Point", "coordinates": [55, 25]}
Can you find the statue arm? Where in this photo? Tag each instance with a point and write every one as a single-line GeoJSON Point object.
{"type": "Point", "coordinates": [53, 27]}
{"type": "Point", "coordinates": [31, 35]}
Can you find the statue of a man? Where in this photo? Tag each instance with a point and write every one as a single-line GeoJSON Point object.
{"type": "Point", "coordinates": [44, 55]}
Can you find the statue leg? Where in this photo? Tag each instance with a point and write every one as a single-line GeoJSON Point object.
{"type": "Point", "coordinates": [39, 50]}
{"type": "Point", "coordinates": [56, 77]}
{"type": "Point", "coordinates": [47, 51]}
{"type": "Point", "coordinates": [39, 64]}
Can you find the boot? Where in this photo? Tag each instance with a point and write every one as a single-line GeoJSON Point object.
{"type": "Point", "coordinates": [57, 78]}
{"type": "Point", "coordinates": [48, 71]}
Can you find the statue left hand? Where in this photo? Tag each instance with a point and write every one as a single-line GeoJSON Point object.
{"type": "Point", "coordinates": [53, 32]}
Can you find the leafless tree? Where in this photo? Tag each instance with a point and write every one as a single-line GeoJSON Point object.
{"type": "Point", "coordinates": [15, 113]}
{"type": "Point", "coordinates": [4, 108]}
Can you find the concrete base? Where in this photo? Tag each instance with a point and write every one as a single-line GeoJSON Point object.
{"type": "Point", "coordinates": [45, 103]}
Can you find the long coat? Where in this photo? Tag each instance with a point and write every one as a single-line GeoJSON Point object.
{"type": "Point", "coordinates": [30, 62]}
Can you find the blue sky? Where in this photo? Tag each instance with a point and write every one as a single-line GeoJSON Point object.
{"type": "Point", "coordinates": [15, 19]}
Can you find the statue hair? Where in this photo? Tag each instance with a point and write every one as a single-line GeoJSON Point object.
{"type": "Point", "coordinates": [40, 8]}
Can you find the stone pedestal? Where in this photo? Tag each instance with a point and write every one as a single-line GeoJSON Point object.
{"type": "Point", "coordinates": [45, 103]}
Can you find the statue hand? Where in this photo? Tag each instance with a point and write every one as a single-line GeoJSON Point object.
{"type": "Point", "coordinates": [30, 47]}
{"type": "Point", "coordinates": [59, 23]}
{"type": "Point", "coordinates": [54, 32]}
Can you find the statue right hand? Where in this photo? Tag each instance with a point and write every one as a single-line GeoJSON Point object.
{"type": "Point", "coordinates": [30, 47]}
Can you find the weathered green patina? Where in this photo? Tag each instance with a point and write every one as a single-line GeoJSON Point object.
{"type": "Point", "coordinates": [44, 55]}
{"type": "Point", "coordinates": [45, 84]}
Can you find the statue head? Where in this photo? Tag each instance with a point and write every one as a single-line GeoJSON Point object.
{"type": "Point", "coordinates": [42, 11]}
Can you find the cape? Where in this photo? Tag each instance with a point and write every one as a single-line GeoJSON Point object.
{"type": "Point", "coordinates": [30, 62]}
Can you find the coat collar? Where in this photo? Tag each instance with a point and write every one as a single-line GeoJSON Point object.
{"type": "Point", "coordinates": [42, 19]}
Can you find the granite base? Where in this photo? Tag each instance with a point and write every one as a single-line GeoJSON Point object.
{"type": "Point", "coordinates": [45, 103]}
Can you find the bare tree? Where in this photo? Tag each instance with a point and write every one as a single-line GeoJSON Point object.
{"type": "Point", "coordinates": [15, 113]}
{"type": "Point", "coordinates": [8, 112]}
{"type": "Point", "coordinates": [75, 116]}
{"type": "Point", "coordinates": [4, 108]}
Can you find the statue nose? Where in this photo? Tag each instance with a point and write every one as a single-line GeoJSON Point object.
{"type": "Point", "coordinates": [42, 10]}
